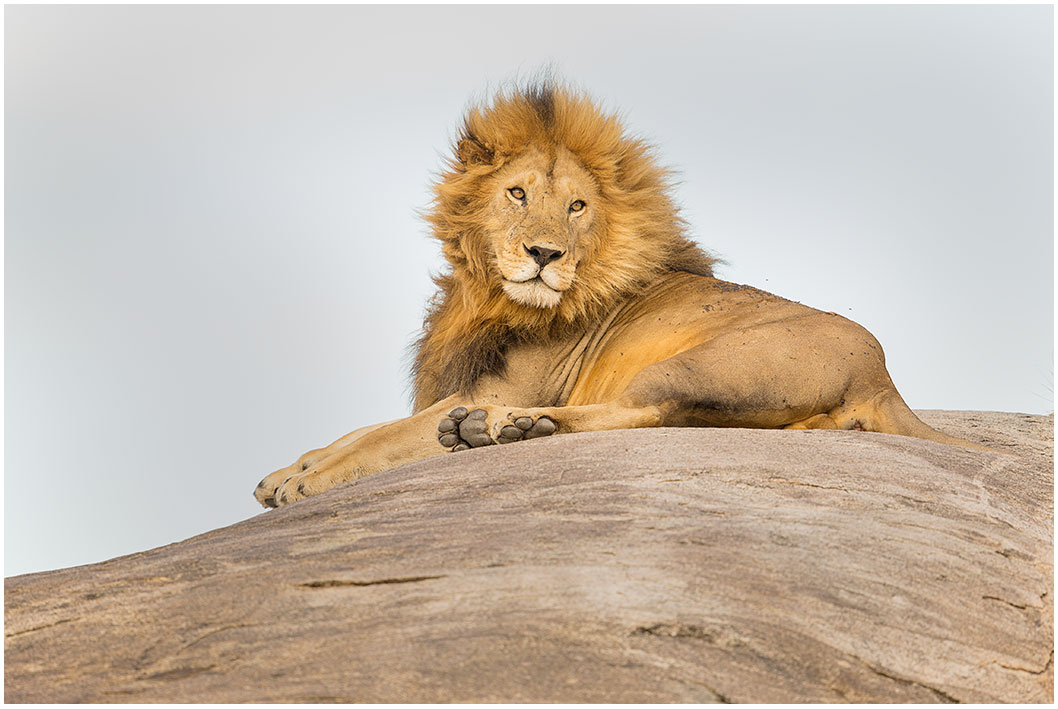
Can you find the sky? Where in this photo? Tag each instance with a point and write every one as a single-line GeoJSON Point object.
{"type": "Point", "coordinates": [214, 260]}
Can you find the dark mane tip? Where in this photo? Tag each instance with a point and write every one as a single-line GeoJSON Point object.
{"type": "Point", "coordinates": [541, 96]}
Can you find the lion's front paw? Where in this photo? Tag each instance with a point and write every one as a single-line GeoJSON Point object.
{"type": "Point", "coordinates": [265, 492]}
{"type": "Point", "coordinates": [463, 429]}
{"type": "Point", "coordinates": [303, 479]}
{"type": "Point", "coordinates": [276, 491]}
{"type": "Point", "coordinates": [293, 489]}
{"type": "Point", "coordinates": [302, 484]}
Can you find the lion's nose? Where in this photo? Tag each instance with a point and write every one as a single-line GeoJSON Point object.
{"type": "Point", "coordinates": [543, 256]}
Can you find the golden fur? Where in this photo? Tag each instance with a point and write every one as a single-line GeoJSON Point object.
{"type": "Point", "coordinates": [638, 236]}
{"type": "Point", "coordinates": [575, 302]}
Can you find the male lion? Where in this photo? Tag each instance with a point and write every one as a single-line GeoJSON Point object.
{"type": "Point", "coordinates": [575, 303]}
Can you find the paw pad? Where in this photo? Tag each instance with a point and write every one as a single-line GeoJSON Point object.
{"type": "Point", "coordinates": [525, 428]}
{"type": "Point", "coordinates": [463, 429]}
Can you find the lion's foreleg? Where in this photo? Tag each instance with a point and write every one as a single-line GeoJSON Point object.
{"type": "Point", "coordinates": [361, 453]}
{"type": "Point", "coordinates": [452, 425]}
{"type": "Point", "coordinates": [488, 425]}
{"type": "Point", "coordinates": [266, 488]}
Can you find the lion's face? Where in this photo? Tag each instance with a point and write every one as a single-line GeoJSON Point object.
{"type": "Point", "coordinates": [548, 216]}
{"type": "Point", "coordinates": [540, 225]}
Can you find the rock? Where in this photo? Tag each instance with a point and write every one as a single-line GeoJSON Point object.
{"type": "Point", "coordinates": [690, 565]}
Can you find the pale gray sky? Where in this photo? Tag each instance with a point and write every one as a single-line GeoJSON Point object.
{"type": "Point", "coordinates": [213, 259]}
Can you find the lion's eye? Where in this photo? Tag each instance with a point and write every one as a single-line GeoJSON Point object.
{"type": "Point", "coordinates": [517, 193]}
{"type": "Point", "coordinates": [577, 206]}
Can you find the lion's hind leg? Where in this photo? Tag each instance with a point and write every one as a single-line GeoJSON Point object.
{"type": "Point", "coordinates": [819, 421]}
{"type": "Point", "coordinates": [886, 412]}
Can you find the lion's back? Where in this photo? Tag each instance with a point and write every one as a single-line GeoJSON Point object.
{"type": "Point", "coordinates": [679, 312]}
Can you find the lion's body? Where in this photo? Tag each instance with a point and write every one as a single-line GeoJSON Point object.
{"type": "Point", "coordinates": [576, 303]}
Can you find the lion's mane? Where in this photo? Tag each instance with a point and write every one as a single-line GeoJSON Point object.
{"type": "Point", "coordinates": [471, 322]}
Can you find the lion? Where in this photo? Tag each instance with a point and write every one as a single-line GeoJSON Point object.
{"type": "Point", "coordinates": [574, 301]}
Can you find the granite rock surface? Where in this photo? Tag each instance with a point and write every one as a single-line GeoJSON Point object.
{"type": "Point", "coordinates": [667, 565]}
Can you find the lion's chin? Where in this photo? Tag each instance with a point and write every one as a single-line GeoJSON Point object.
{"type": "Point", "coordinates": [534, 293]}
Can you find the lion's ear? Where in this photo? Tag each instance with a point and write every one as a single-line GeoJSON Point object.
{"type": "Point", "coordinates": [471, 151]}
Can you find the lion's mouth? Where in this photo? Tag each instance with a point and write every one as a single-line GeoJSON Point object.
{"type": "Point", "coordinates": [534, 279]}
{"type": "Point", "coordinates": [534, 292]}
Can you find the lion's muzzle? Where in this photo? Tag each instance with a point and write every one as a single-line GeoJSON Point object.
{"type": "Point", "coordinates": [543, 255]}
